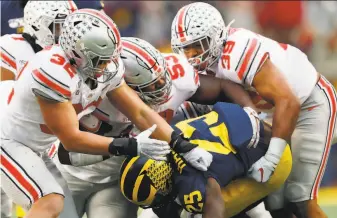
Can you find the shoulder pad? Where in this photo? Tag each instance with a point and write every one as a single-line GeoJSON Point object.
{"type": "Point", "coordinates": [52, 73]}
{"type": "Point", "coordinates": [11, 45]}
{"type": "Point", "coordinates": [183, 75]}
{"type": "Point", "coordinates": [242, 57]}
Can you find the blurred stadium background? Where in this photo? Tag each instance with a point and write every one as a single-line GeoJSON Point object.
{"type": "Point", "coordinates": [309, 25]}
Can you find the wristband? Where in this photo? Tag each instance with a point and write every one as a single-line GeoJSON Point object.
{"type": "Point", "coordinates": [275, 150]}
{"type": "Point", "coordinates": [124, 146]}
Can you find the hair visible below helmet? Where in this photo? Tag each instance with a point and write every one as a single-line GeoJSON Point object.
{"type": "Point", "coordinates": [199, 22]}
{"type": "Point", "coordinates": [145, 71]}
{"type": "Point", "coordinates": [146, 182]}
{"type": "Point", "coordinates": [91, 41]}
{"type": "Point", "coordinates": [42, 19]}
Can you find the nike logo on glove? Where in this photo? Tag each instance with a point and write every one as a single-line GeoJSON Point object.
{"type": "Point", "coordinates": [261, 171]}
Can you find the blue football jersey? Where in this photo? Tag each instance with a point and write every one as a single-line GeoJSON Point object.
{"type": "Point", "coordinates": [225, 132]}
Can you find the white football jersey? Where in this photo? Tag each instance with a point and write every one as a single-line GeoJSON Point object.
{"type": "Point", "coordinates": [245, 52]}
{"type": "Point", "coordinates": [49, 73]}
{"type": "Point", "coordinates": [15, 51]}
{"type": "Point", "coordinates": [5, 89]}
{"type": "Point", "coordinates": [185, 82]}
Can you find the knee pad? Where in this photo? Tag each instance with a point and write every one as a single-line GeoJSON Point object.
{"type": "Point", "coordinates": [275, 200]}
{"type": "Point", "coordinates": [296, 192]}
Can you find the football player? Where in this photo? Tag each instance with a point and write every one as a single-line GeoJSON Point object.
{"type": "Point", "coordinates": [222, 191]}
{"type": "Point", "coordinates": [59, 85]}
{"type": "Point", "coordinates": [282, 82]}
{"type": "Point", "coordinates": [6, 203]}
{"type": "Point", "coordinates": [42, 23]}
{"type": "Point", "coordinates": [162, 81]}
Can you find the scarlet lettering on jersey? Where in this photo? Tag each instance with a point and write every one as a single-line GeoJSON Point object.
{"type": "Point", "coordinates": [241, 56]}
{"type": "Point", "coordinates": [176, 70]}
{"type": "Point", "coordinates": [185, 82]}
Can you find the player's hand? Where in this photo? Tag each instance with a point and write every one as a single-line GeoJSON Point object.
{"type": "Point", "coordinates": [153, 148]}
{"type": "Point", "coordinates": [262, 170]}
{"type": "Point", "coordinates": [199, 158]}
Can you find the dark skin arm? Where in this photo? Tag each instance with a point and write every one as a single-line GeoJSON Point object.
{"type": "Point", "coordinates": [214, 205]}
{"type": "Point", "coordinates": [212, 90]}
{"type": "Point", "coordinates": [278, 92]}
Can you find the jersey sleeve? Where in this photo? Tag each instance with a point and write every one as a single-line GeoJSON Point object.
{"type": "Point", "coordinates": [52, 79]}
{"type": "Point", "coordinates": [242, 56]}
{"type": "Point", "coordinates": [8, 53]}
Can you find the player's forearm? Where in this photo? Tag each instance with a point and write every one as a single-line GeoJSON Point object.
{"type": "Point", "coordinates": [147, 117]}
{"type": "Point", "coordinates": [78, 159]}
{"type": "Point", "coordinates": [86, 142]}
{"type": "Point", "coordinates": [214, 205]}
{"type": "Point", "coordinates": [236, 94]}
{"type": "Point", "coordinates": [285, 117]}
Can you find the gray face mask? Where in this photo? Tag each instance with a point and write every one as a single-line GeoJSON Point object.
{"type": "Point", "coordinates": [155, 92]}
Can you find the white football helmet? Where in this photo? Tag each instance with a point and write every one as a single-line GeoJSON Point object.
{"type": "Point", "coordinates": [43, 20]}
{"type": "Point", "coordinates": [91, 41]}
{"type": "Point", "coordinates": [199, 24]}
{"type": "Point", "coordinates": [145, 71]}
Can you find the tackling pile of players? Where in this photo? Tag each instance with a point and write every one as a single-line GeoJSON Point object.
{"type": "Point", "coordinates": [84, 97]}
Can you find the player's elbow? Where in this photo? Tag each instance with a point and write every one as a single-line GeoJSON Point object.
{"type": "Point", "coordinates": [292, 105]}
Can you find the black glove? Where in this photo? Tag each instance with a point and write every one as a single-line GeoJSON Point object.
{"type": "Point", "coordinates": [123, 146]}
{"type": "Point", "coordinates": [180, 144]}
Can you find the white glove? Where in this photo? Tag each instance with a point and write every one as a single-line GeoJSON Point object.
{"type": "Point", "coordinates": [261, 170]}
{"type": "Point", "coordinates": [152, 148]}
{"type": "Point", "coordinates": [199, 158]}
